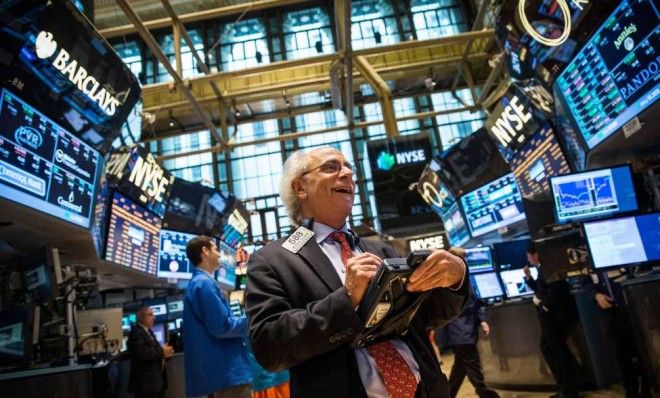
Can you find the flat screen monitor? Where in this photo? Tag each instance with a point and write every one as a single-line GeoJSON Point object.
{"type": "Point", "coordinates": [624, 241]}
{"type": "Point", "coordinates": [536, 161]}
{"type": "Point", "coordinates": [172, 259]}
{"type": "Point", "coordinates": [562, 255]}
{"type": "Point", "coordinates": [132, 239]}
{"type": "Point", "coordinates": [457, 230]}
{"type": "Point", "coordinates": [236, 226]}
{"type": "Point", "coordinates": [486, 285]}
{"type": "Point", "coordinates": [174, 308]}
{"type": "Point", "coordinates": [43, 166]}
{"type": "Point", "coordinates": [593, 194]}
{"type": "Point", "coordinates": [492, 206]}
{"type": "Point", "coordinates": [159, 307]}
{"type": "Point", "coordinates": [514, 282]}
{"type": "Point", "coordinates": [159, 332]}
{"type": "Point", "coordinates": [511, 254]}
{"type": "Point", "coordinates": [236, 308]}
{"type": "Point", "coordinates": [16, 328]}
{"type": "Point", "coordinates": [226, 272]}
{"type": "Point", "coordinates": [42, 274]}
{"type": "Point", "coordinates": [479, 259]}
{"type": "Point", "coordinates": [614, 76]}
{"type": "Point", "coordinates": [128, 321]}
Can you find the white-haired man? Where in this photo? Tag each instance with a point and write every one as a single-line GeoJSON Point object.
{"type": "Point", "coordinates": [302, 293]}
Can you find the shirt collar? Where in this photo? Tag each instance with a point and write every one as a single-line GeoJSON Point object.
{"type": "Point", "coordinates": [198, 269]}
{"type": "Point", "coordinates": [322, 231]}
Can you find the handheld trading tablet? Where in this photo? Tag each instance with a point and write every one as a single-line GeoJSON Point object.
{"type": "Point", "coordinates": [387, 307]}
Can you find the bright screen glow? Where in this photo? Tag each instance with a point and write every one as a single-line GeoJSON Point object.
{"type": "Point", "coordinates": [479, 259]}
{"type": "Point", "coordinates": [593, 194]}
{"type": "Point", "coordinates": [615, 75]}
{"type": "Point", "coordinates": [454, 223]}
{"type": "Point", "coordinates": [132, 236]}
{"type": "Point", "coordinates": [624, 241]}
{"type": "Point", "coordinates": [172, 259]}
{"type": "Point", "coordinates": [492, 206]}
{"type": "Point", "coordinates": [486, 285]}
{"type": "Point", "coordinates": [43, 166]}
{"type": "Point", "coordinates": [514, 282]}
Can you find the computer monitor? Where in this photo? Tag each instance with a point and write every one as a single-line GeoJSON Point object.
{"type": "Point", "coordinates": [174, 308]}
{"type": "Point", "coordinates": [226, 272]}
{"type": "Point", "coordinates": [159, 307]}
{"type": "Point", "coordinates": [613, 77]}
{"type": "Point", "coordinates": [132, 239]}
{"type": "Point", "coordinates": [514, 282]}
{"type": "Point", "coordinates": [593, 194]}
{"type": "Point", "coordinates": [486, 285]}
{"type": "Point", "coordinates": [128, 321]}
{"type": "Point", "coordinates": [16, 335]}
{"type": "Point", "coordinates": [562, 254]}
{"type": "Point", "coordinates": [236, 308]}
{"type": "Point", "coordinates": [511, 254]}
{"type": "Point", "coordinates": [172, 258]}
{"type": "Point", "coordinates": [624, 241]}
{"type": "Point", "coordinates": [492, 206]}
{"type": "Point", "coordinates": [479, 259]}
{"type": "Point", "coordinates": [454, 223]}
{"type": "Point", "coordinates": [538, 159]}
{"type": "Point", "coordinates": [42, 274]}
{"type": "Point", "coordinates": [89, 321]}
{"type": "Point", "coordinates": [160, 333]}
{"type": "Point", "coordinates": [43, 166]}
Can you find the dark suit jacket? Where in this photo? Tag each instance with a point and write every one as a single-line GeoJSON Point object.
{"type": "Point", "coordinates": [148, 374]}
{"type": "Point", "coordinates": [301, 318]}
{"type": "Point", "coordinates": [465, 328]}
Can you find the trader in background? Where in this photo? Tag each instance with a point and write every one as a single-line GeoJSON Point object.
{"type": "Point", "coordinates": [557, 312]}
{"type": "Point", "coordinates": [302, 293]}
{"type": "Point", "coordinates": [462, 334]}
{"type": "Point", "coordinates": [216, 358]}
{"type": "Point", "coordinates": [148, 378]}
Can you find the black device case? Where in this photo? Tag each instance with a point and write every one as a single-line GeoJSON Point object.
{"type": "Point", "coordinates": [387, 307]}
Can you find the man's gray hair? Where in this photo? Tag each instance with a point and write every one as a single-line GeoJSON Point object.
{"type": "Point", "coordinates": [296, 164]}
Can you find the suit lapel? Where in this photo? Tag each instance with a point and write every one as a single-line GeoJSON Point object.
{"type": "Point", "coordinates": [319, 262]}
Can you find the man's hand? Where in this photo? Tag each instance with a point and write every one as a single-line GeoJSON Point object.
{"type": "Point", "coordinates": [440, 269]}
{"type": "Point", "coordinates": [360, 270]}
{"type": "Point", "coordinates": [528, 273]}
{"type": "Point", "coordinates": [168, 351]}
{"type": "Point", "coordinates": [485, 327]}
{"type": "Point", "coordinates": [604, 302]}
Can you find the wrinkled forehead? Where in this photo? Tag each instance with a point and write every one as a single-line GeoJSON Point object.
{"type": "Point", "coordinates": [324, 154]}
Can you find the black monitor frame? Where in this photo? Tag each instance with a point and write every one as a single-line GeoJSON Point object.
{"type": "Point", "coordinates": [601, 217]}
{"type": "Point", "coordinates": [27, 316]}
{"type": "Point", "coordinates": [47, 258]}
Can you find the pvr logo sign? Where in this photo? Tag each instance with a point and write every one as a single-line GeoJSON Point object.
{"type": "Point", "coordinates": [432, 242]}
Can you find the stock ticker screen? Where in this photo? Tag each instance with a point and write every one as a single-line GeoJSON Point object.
{"type": "Point", "coordinates": [493, 205]}
{"type": "Point", "coordinates": [133, 236]}
{"type": "Point", "coordinates": [536, 161]}
{"type": "Point", "coordinates": [615, 75]}
{"type": "Point", "coordinates": [454, 223]}
{"type": "Point", "coordinates": [42, 165]}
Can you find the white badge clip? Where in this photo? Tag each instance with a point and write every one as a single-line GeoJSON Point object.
{"type": "Point", "coordinates": [298, 239]}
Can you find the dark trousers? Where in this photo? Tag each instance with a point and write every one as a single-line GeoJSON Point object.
{"type": "Point", "coordinates": [558, 356]}
{"type": "Point", "coordinates": [467, 362]}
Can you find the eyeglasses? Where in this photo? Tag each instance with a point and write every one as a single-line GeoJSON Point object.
{"type": "Point", "coordinates": [331, 167]}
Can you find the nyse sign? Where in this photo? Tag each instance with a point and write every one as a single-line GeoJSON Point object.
{"type": "Point", "coordinates": [430, 242]}
{"type": "Point", "coordinates": [510, 125]}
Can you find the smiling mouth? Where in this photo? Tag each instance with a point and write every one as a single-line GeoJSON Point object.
{"type": "Point", "coordinates": [343, 190]}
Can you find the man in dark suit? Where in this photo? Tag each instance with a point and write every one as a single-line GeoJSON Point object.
{"type": "Point", "coordinates": [302, 293]}
{"type": "Point", "coordinates": [148, 378]}
{"type": "Point", "coordinates": [557, 312]}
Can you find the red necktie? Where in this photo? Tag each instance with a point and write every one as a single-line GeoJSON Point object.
{"type": "Point", "coordinates": [399, 380]}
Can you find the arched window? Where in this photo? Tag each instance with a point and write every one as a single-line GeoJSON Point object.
{"type": "Point", "coordinates": [244, 45]}
{"type": "Point", "coordinates": [307, 33]}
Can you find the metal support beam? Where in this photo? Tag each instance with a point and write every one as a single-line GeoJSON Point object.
{"type": "Point", "coordinates": [176, 37]}
{"type": "Point", "coordinates": [158, 53]}
{"type": "Point", "coordinates": [200, 16]}
{"type": "Point", "coordinates": [343, 22]}
{"type": "Point", "coordinates": [384, 93]}
{"type": "Point", "coordinates": [184, 33]}
{"type": "Point", "coordinates": [477, 25]}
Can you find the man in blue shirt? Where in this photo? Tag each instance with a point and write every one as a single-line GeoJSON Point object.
{"type": "Point", "coordinates": [216, 355]}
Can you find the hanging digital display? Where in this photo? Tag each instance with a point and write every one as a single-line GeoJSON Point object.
{"type": "Point", "coordinates": [455, 225]}
{"type": "Point", "coordinates": [132, 235]}
{"type": "Point", "coordinates": [492, 206]}
{"type": "Point", "coordinates": [536, 161]}
{"type": "Point", "coordinates": [615, 75]}
{"type": "Point", "coordinates": [235, 227]}
{"type": "Point", "coordinates": [43, 166]}
{"type": "Point", "coordinates": [172, 258]}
